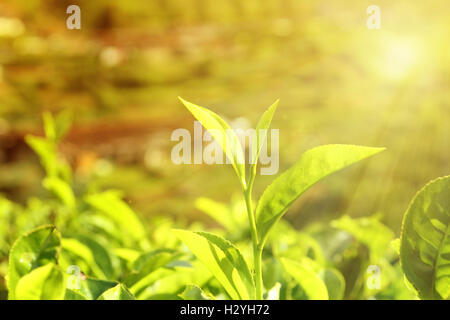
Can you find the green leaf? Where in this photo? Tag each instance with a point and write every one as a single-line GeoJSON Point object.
{"type": "Point", "coordinates": [290, 243]}
{"type": "Point", "coordinates": [110, 204]}
{"type": "Point", "coordinates": [106, 226]}
{"type": "Point", "coordinates": [49, 125]}
{"type": "Point", "coordinates": [56, 128]}
{"type": "Point", "coordinates": [218, 211]}
{"type": "Point", "coordinates": [43, 283]}
{"type": "Point", "coordinates": [425, 240]}
{"type": "Point", "coordinates": [47, 152]}
{"type": "Point", "coordinates": [61, 189]}
{"type": "Point", "coordinates": [396, 245]}
{"type": "Point", "coordinates": [334, 282]}
{"type": "Point", "coordinates": [223, 134]}
{"type": "Point", "coordinates": [101, 252]}
{"type": "Point", "coordinates": [223, 260]}
{"type": "Point", "coordinates": [127, 254]}
{"type": "Point", "coordinates": [149, 262]}
{"type": "Point", "coordinates": [193, 292]}
{"type": "Point", "coordinates": [369, 231]}
{"type": "Point", "coordinates": [313, 165]}
{"type": "Point", "coordinates": [307, 278]}
{"type": "Point", "coordinates": [139, 288]}
{"type": "Point", "coordinates": [262, 128]}
{"type": "Point", "coordinates": [78, 249]}
{"type": "Point", "coordinates": [154, 259]}
{"type": "Point", "coordinates": [119, 292]}
{"type": "Point", "coordinates": [73, 295]}
{"type": "Point", "coordinates": [91, 288]}
{"type": "Point", "coordinates": [170, 281]}
{"type": "Point", "coordinates": [32, 250]}
{"type": "Point", "coordinates": [94, 254]}
{"type": "Point", "coordinates": [7, 211]}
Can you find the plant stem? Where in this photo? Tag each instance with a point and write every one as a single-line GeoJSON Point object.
{"type": "Point", "coordinates": [257, 255]}
{"type": "Point", "coordinates": [257, 250]}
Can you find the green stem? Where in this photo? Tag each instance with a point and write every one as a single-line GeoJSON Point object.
{"type": "Point", "coordinates": [257, 250]}
{"type": "Point", "coordinates": [257, 255]}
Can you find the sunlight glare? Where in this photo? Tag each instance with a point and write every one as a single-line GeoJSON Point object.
{"type": "Point", "coordinates": [401, 57]}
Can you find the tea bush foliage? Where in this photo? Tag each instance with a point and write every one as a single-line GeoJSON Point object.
{"type": "Point", "coordinates": [82, 243]}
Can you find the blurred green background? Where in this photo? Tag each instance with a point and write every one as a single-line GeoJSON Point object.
{"type": "Point", "coordinates": [337, 81]}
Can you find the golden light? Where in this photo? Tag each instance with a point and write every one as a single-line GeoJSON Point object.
{"type": "Point", "coordinates": [400, 58]}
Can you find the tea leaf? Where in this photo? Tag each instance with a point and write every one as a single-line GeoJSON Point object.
{"type": "Point", "coordinates": [72, 295]}
{"type": "Point", "coordinates": [61, 189]}
{"type": "Point", "coordinates": [96, 257]}
{"type": "Point", "coordinates": [56, 127]}
{"type": "Point", "coordinates": [223, 260]}
{"type": "Point", "coordinates": [218, 211]}
{"type": "Point", "coordinates": [369, 231]}
{"type": "Point", "coordinates": [170, 282]}
{"type": "Point", "coordinates": [307, 278]}
{"type": "Point", "coordinates": [149, 262]}
{"type": "Point", "coordinates": [313, 165]}
{"type": "Point", "coordinates": [32, 250]}
{"type": "Point", "coordinates": [46, 151]}
{"type": "Point", "coordinates": [334, 282]}
{"type": "Point", "coordinates": [110, 204]}
{"type": "Point", "coordinates": [425, 240]}
{"type": "Point", "coordinates": [93, 288]}
{"type": "Point", "coordinates": [396, 245]}
{"type": "Point", "coordinates": [129, 255]}
{"type": "Point", "coordinates": [262, 127]}
{"type": "Point", "coordinates": [119, 292]}
{"type": "Point", "coordinates": [43, 283]}
{"type": "Point", "coordinates": [193, 292]}
{"type": "Point", "coordinates": [223, 134]}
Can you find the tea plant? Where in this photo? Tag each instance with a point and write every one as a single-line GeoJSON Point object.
{"type": "Point", "coordinates": [222, 258]}
{"type": "Point", "coordinates": [425, 241]}
{"type": "Point", "coordinates": [97, 247]}
{"type": "Point", "coordinates": [100, 248]}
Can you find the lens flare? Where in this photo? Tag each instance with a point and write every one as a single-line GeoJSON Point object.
{"type": "Point", "coordinates": [401, 56]}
